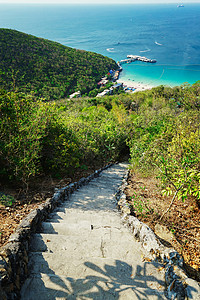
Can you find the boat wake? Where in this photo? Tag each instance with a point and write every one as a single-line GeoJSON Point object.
{"type": "Point", "coordinates": [158, 44]}
{"type": "Point", "coordinates": [110, 49]}
{"type": "Point", "coordinates": [145, 50]}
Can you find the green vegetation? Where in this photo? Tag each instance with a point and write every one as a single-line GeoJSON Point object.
{"type": "Point", "coordinates": [166, 138]}
{"type": "Point", "coordinates": [48, 69]}
{"type": "Point", "coordinates": [58, 137]}
{"type": "Point", "coordinates": [6, 200]}
{"type": "Point", "coordinates": [140, 206]}
{"type": "Point", "coordinates": [158, 128]}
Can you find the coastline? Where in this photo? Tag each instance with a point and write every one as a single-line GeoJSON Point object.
{"type": "Point", "coordinates": [137, 85]}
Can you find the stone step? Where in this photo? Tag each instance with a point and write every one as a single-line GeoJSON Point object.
{"type": "Point", "coordinates": [63, 219]}
{"type": "Point", "coordinates": [64, 265]}
{"type": "Point", "coordinates": [85, 252]}
{"type": "Point", "coordinates": [94, 194]}
{"type": "Point", "coordinates": [87, 229]}
{"type": "Point", "coordinates": [93, 206]}
{"type": "Point", "coordinates": [101, 185]}
{"type": "Point", "coordinates": [99, 194]}
{"type": "Point", "coordinates": [106, 181]}
{"type": "Point", "coordinates": [61, 264]}
{"type": "Point", "coordinates": [115, 171]}
{"type": "Point", "coordinates": [53, 287]}
{"type": "Point", "coordinates": [77, 247]}
{"type": "Point", "coordinates": [92, 218]}
{"type": "Point", "coordinates": [91, 201]}
{"type": "Point", "coordinates": [82, 214]}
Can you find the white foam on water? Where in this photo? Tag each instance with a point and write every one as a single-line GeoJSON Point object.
{"type": "Point", "coordinates": [145, 50]}
{"type": "Point", "coordinates": [110, 49]}
{"type": "Point", "coordinates": [158, 44]}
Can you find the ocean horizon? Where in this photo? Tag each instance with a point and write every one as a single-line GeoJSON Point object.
{"type": "Point", "coordinates": [164, 32]}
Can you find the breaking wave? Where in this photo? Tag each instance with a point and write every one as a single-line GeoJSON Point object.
{"type": "Point", "coordinates": [110, 49]}
{"type": "Point", "coordinates": [147, 50]}
{"type": "Point", "coordinates": [158, 43]}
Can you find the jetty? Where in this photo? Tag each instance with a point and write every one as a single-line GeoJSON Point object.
{"type": "Point", "coordinates": [132, 58]}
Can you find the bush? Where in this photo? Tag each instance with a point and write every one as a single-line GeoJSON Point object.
{"type": "Point", "coordinates": [60, 148]}
{"type": "Point", "coordinates": [166, 139]}
{"type": "Point", "coordinates": [23, 123]}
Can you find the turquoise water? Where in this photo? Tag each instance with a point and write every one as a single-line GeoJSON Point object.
{"type": "Point", "coordinates": [166, 33]}
{"type": "Point", "coordinates": [157, 74]}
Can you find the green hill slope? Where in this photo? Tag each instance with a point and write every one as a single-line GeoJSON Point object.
{"type": "Point", "coordinates": [48, 68]}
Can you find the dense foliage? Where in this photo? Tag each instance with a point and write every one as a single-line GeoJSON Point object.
{"type": "Point", "coordinates": [22, 127]}
{"type": "Point", "coordinates": [47, 68]}
{"type": "Point", "coordinates": [160, 127]}
{"type": "Point", "coordinates": [56, 138]}
{"type": "Point", "coordinates": [166, 138]}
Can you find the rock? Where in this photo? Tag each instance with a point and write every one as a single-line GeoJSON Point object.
{"type": "Point", "coordinates": [126, 210]}
{"type": "Point", "coordinates": [164, 233]}
{"type": "Point", "coordinates": [81, 182]}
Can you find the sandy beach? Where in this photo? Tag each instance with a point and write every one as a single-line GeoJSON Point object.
{"type": "Point", "coordinates": [139, 86]}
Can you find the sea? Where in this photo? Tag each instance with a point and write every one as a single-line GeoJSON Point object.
{"type": "Point", "coordinates": [164, 32]}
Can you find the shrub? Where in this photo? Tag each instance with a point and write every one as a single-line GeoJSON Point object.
{"type": "Point", "coordinates": [23, 122]}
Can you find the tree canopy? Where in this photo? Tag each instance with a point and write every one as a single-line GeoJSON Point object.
{"type": "Point", "coordinates": [49, 69]}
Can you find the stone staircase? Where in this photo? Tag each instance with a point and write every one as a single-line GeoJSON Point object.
{"type": "Point", "coordinates": [83, 250]}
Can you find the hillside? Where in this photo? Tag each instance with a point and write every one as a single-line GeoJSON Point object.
{"type": "Point", "coordinates": [58, 142]}
{"type": "Point", "coordinates": [47, 68]}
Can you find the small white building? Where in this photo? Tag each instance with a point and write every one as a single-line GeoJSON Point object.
{"type": "Point", "coordinates": [105, 92]}
{"type": "Point", "coordinates": [75, 95]}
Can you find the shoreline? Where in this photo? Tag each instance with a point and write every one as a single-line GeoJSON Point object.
{"type": "Point", "coordinates": [137, 85]}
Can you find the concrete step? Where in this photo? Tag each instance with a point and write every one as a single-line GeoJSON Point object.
{"type": "Point", "coordinates": [85, 229]}
{"type": "Point", "coordinates": [53, 287]}
{"type": "Point", "coordinates": [99, 194]}
{"type": "Point", "coordinates": [64, 219]}
{"type": "Point", "coordinates": [93, 206]}
{"type": "Point", "coordinates": [85, 252]}
{"type": "Point", "coordinates": [82, 214]}
{"type": "Point", "coordinates": [93, 193]}
{"type": "Point", "coordinates": [92, 201]}
{"type": "Point", "coordinates": [106, 181]}
{"type": "Point", "coordinates": [76, 247]}
{"type": "Point", "coordinates": [82, 228]}
{"type": "Point", "coordinates": [92, 218]}
{"type": "Point", "coordinates": [102, 184]}
{"type": "Point", "coordinates": [61, 264]}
